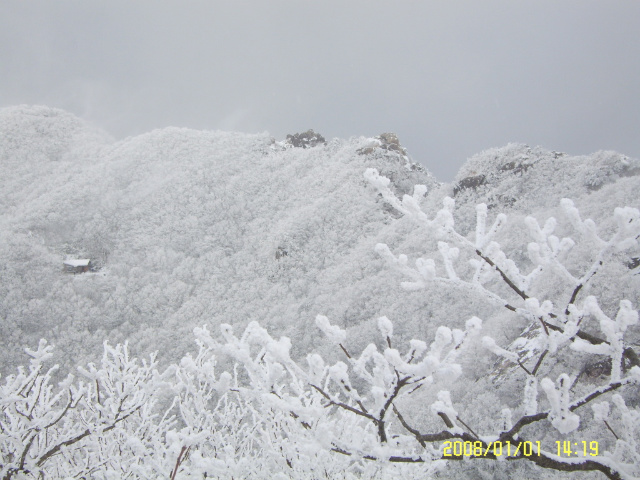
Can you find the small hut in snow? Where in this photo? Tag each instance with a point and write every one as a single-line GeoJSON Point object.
{"type": "Point", "coordinates": [78, 265]}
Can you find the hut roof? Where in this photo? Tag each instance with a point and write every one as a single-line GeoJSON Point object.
{"type": "Point", "coordinates": [78, 262]}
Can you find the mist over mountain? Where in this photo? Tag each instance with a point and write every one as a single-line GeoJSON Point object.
{"type": "Point", "coordinates": [186, 228]}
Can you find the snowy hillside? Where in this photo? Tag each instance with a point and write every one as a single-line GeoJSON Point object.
{"type": "Point", "coordinates": [530, 179]}
{"type": "Point", "coordinates": [186, 228]}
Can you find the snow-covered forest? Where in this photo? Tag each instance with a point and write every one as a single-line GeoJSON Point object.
{"type": "Point", "coordinates": [302, 308]}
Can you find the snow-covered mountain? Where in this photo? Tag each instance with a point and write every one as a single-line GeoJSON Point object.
{"type": "Point", "coordinates": [183, 228]}
{"type": "Point", "coordinates": [521, 178]}
{"type": "Point", "coordinates": [186, 228]}
{"type": "Point", "coordinates": [144, 239]}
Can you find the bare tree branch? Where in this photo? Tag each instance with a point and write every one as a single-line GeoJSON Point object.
{"type": "Point", "coordinates": [506, 279]}
{"type": "Point", "coordinates": [345, 406]}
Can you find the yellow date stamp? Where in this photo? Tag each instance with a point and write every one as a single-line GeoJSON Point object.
{"type": "Point", "coordinates": [584, 448]}
{"type": "Point", "coordinates": [458, 448]}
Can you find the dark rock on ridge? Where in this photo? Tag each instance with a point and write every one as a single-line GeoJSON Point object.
{"type": "Point", "coordinates": [469, 182]}
{"type": "Point", "coordinates": [387, 142]}
{"type": "Point", "coordinates": [306, 139]}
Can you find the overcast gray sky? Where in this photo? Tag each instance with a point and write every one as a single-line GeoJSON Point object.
{"type": "Point", "coordinates": [451, 78]}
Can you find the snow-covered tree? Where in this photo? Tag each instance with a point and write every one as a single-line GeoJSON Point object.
{"type": "Point", "coordinates": [245, 407]}
{"type": "Point", "coordinates": [551, 325]}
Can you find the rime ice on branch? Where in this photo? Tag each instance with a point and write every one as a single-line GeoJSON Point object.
{"type": "Point", "coordinates": [560, 321]}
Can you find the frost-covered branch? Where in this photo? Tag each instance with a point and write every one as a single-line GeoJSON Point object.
{"type": "Point", "coordinates": [556, 329]}
{"type": "Point", "coordinates": [275, 413]}
{"type": "Point", "coordinates": [546, 252]}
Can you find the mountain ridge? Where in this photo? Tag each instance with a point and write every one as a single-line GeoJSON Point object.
{"type": "Point", "coordinates": [188, 227]}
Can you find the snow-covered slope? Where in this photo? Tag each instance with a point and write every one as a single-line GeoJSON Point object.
{"type": "Point", "coordinates": [186, 228]}
{"type": "Point", "coordinates": [528, 179]}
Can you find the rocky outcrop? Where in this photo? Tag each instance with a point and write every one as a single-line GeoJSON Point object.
{"type": "Point", "coordinates": [469, 182]}
{"type": "Point", "coordinates": [609, 168]}
{"type": "Point", "coordinates": [519, 177]}
{"type": "Point", "coordinates": [385, 153]}
{"type": "Point", "coordinates": [306, 139]}
{"type": "Point", "coordinates": [384, 142]}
